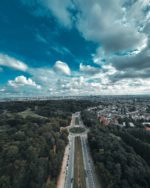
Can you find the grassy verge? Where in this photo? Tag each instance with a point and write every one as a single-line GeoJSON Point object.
{"type": "Point", "coordinates": [77, 121]}
{"type": "Point", "coordinates": [79, 173]}
{"type": "Point", "coordinates": [77, 130]}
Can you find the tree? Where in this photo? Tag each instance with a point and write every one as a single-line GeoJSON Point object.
{"type": "Point", "coordinates": [5, 182]}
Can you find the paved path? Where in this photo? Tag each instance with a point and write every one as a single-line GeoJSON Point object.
{"type": "Point", "coordinates": [61, 178]}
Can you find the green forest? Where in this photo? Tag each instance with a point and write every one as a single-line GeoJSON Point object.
{"type": "Point", "coordinates": [121, 156]}
{"type": "Point", "coordinates": [31, 143]}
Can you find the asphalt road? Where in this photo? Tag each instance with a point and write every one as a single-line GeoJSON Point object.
{"type": "Point", "coordinates": [91, 178]}
{"type": "Point", "coordinates": [70, 164]}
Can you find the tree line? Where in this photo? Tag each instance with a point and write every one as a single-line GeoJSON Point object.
{"type": "Point", "coordinates": [120, 159]}
{"type": "Point", "coordinates": [32, 146]}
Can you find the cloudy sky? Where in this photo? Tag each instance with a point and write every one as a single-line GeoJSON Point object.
{"type": "Point", "coordinates": [74, 47]}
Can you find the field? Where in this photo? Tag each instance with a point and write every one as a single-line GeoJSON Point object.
{"type": "Point", "coordinates": [29, 112]}
{"type": "Point", "coordinates": [79, 173]}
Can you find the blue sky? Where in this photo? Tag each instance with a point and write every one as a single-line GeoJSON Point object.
{"type": "Point", "coordinates": [82, 47]}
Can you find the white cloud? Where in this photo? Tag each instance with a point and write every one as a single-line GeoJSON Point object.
{"type": "Point", "coordinates": [60, 10]}
{"type": "Point", "coordinates": [11, 62]}
{"type": "Point", "coordinates": [23, 81]}
{"type": "Point", "coordinates": [87, 84]}
{"type": "Point", "coordinates": [61, 67]}
{"type": "Point", "coordinates": [106, 22]}
{"type": "Point", "coordinates": [99, 57]}
{"type": "Point", "coordinates": [88, 69]}
{"type": "Point", "coordinates": [116, 25]}
{"type": "Point", "coordinates": [2, 90]}
{"type": "Point", "coordinates": [78, 84]}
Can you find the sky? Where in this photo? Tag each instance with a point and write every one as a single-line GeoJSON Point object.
{"type": "Point", "coordinates": [74, 47]}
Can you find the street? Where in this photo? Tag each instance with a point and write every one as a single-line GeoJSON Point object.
{"type": "Point", "coordinates": [88, 165]}
{"type": "Point", "coordinates": [90, 175]}
{"type": "Point", "coordinates": [70, 164]}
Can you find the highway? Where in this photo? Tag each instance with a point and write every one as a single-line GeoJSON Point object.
{"type": "Point", "coordinates": [90, 175]}
{"type": "Point", "coordinates": [91, 180]}
{"type": "Point", "coordinates": [70, 164]}
{"type": "Point", "coordinates": [70, 161]}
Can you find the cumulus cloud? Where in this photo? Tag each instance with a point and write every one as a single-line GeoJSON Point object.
{"type": "Point", "coordinates": [88, 69]}
{"type": "Point", "coordinates": [11, 62]}
{"type": "Point", "coordinates": [2, 89]}
{"type": "Point", "coordinates": [110, 22]}
{"type": "Point", "coordinates": [130, 74]}
{"type": "Point", "coordinates": [23, 81]}
{"type": "Point", "coordinates": [62, 14]}
{"type": "Point", "coordinates": [80, 84]}
{"type": "Point", "coordinates": [116, 25]}
{"type": "Point", "coordinates": [103, 82]}
{"type": "Point", "coordinates": [120, 30]}
{"type": "Point", "coordinates": [61, 67]}
{"type": "Point", "coordinates": [131, 66]}
{"type": "Point", "coordinates": [119, 25]}
{"type": "Point", "coordinates": [136, 62]}
{"type": "Point", "coordinates": [105, 22]}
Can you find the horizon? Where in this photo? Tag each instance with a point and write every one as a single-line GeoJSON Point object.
{"type": "Point", "coordinates": [55, 48]}
{"type": "Point", "coordinates": [70, 97]}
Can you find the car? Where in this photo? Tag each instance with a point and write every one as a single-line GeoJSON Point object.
{"type": "Point", "coordinates": [71, 180]}
{"type": "Point", "coordinates": [85, 173]}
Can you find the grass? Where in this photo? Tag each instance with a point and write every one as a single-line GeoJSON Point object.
{"type": "Point", "coordinates": [79, 172]}
{"type": "Point", "coordinates": [29, 112]}
{"type": "Point", "coordinates": [77, 121]}
{"type": "Point", "coordinates": [77, 130]}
